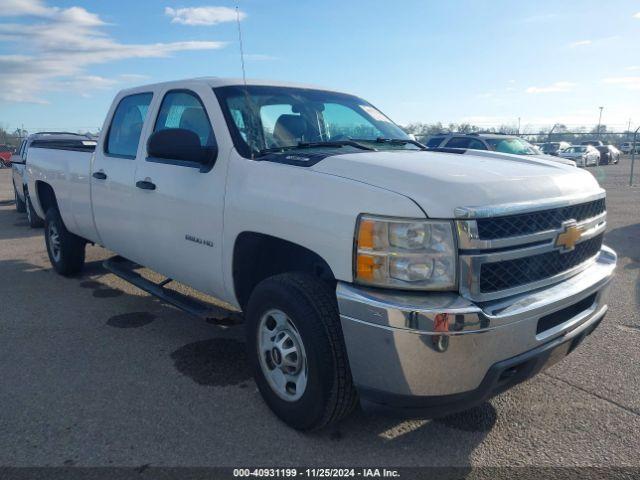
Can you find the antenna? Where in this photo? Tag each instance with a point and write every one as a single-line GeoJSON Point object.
{"type": "Point", "coordinates": [249, 100]}
{"type": "Point", "coordinates": [244, 75]}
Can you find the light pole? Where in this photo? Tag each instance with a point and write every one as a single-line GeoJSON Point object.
{"type": "Point", "coordinates": [600, 120]}
{"type": "Point", "coordinates": [633, 156]}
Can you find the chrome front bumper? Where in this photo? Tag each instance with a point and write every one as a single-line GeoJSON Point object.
{"type": "Point", "coordinates": [441, 345]}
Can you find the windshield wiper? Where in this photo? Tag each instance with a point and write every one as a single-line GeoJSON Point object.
{"type": "Point", "coordinates": [394, 141]}
{"type": "Point", "coordinates": [302, 145]}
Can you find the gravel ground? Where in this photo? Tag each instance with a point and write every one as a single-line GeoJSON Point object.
{"type": "Point", "coordinates": [94, 372]}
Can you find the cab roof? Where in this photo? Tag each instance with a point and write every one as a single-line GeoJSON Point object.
{"type": "Point", "coordinates": [215, 82]}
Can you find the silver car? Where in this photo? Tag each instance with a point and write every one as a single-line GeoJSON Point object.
{"type": "Point", "coordinates": [583, 155]}
{"type": "Point", "coordinates": [494, 142]}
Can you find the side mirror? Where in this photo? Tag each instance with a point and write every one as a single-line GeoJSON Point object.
{"type": "Point", "coordinates": [182, 145]}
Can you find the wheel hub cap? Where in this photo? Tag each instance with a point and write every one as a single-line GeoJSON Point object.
{"type": "Point", "coordinates": [54, 242]}
{"type": "Point", "coordinates": [282, 355]}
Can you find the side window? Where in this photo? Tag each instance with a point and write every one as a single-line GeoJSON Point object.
{"type": "Point", "coordinates": [475, 144]}
{"type": "Point", "coordinates": [434, 142]}
{"type": "Point", "coordinates": [459, 142]}
{"type": "Point", "coordinates": [126, 125]}
{"type": "Point", "coordinates": [181, 109]}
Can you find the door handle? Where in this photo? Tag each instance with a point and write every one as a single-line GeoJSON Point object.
{"type": "Point", "coordinates": [100, 175]}
{"type": "Point", "coordinates": [145, 185]}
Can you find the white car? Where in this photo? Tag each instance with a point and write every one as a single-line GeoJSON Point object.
{"type": "Point", "coordinates": [367, 268]}
{"type": "Point", "coordinates": [583, 155]}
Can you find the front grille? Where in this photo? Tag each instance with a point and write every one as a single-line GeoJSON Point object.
{"type": "Point", "coordinates": [496, 276]}
{"type": "Point", "coordinates": [528, 223]}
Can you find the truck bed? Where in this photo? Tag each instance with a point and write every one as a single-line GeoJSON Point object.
{"type": "Point", "coordinates": [67, 168]}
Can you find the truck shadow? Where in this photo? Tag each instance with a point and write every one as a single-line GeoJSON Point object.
{"type": "Point", "coordinates": [214, 359]}
{"type": "Point", "coordinates": [14, 225]}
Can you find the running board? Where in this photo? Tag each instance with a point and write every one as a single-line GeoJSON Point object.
{"type": "Point", "coordinates": [125, 269]}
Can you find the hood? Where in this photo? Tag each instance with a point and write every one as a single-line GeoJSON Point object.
{"type": "Point", "coordinates": [440, 182]}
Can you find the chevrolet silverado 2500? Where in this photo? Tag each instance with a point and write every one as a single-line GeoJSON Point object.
{"type": "Point", "coordinates": [367, 268]}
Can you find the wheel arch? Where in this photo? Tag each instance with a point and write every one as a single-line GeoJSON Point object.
{"type": "Point", "coordinates": [45, 198]}
{"type": "Point", "coordinates": [257, 256]}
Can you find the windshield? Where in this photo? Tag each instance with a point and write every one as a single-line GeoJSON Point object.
{"type": "Point", "coordinates": [262, 118]}
{"type": "Point", "coordinates": [576, 149]}
{"type": "Point", "coordinates": [515, 146]}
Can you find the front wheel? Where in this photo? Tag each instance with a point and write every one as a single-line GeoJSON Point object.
{"type": "Point", "coordinates": [297, 353]}
{"type": "Point", "coordinates": [66, 250]}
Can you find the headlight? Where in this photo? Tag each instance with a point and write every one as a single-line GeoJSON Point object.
{"type": "Point", "coordinates": [405, 253]}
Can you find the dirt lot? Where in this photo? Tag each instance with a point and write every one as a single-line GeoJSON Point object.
{"type": "Point", "coordinates": [95, 372]}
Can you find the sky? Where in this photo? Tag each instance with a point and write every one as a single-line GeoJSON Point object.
{"type": "Point", "coordinates": [483, 62]}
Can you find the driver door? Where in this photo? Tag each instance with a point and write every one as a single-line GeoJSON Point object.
{"type": "Point", "coordinates": [179, 204]}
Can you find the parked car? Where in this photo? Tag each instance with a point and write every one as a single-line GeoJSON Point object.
{"type": "Point", "coordinates": [608, 154]}
{"type": "Point", "coordinates": [553, 148]}
{"type": "Point", "coordinates": [366, 266]}
{"type": "Point", "coordinates": [492, 142]}
{"type": "Point", "coordinates": [583, 155]}
{"type": "Point", "coordinates": [5, 156]}
{"type": "Point", "coordinates": [593, 143]}
{"type": "Point", "coordinates": [51, 140]}
{"type": "Point", "coordinates": [627, 148]}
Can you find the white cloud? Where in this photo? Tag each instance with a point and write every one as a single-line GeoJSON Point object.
{"type": "Point", "coordinates": [61, 45]}
{"type": "Point", "coordinates": [580, 43]}
{"type": "Point", "coordinates": [630, 83]}
{"type": "Point", "coordinates": [553, 88]}
{"type": "Point", "coordinates": [633, 68]}
{"type": "Point", "coordinates": [637, 15]}
{"type": "Point", "coordinates": [203, 15]}
{"type": "Point", "coordinates": [16, 8]}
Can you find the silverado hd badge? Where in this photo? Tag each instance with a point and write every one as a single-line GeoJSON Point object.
{"type": "Point", "coordinates": [199, 241]}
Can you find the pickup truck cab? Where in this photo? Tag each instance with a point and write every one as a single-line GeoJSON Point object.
{"type": "Point", "coordinates": [368, 269]}
{"type": "Point", "coordinates": [51, 140]}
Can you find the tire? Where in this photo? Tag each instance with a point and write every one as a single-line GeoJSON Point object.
{"type": "Point", "coordinates": [20, 205]}
{"type": "Point", "coordinates": [34, 220]}
{"type": "Point", "coordinates": [66, 250]}
{"type": "Point", "coordinates": [310, 305]}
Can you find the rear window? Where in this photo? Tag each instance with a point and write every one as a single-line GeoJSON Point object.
{"type": "Point", "coordinates": [4, 148]}
{"type": "Point", "coordinates": [81, 145]}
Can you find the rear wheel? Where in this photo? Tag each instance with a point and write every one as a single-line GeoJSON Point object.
{"type": "Point", "coordinates": [34, 220]}
{"type": "Point", "coordinates": [297, 352]}
{"type": "Point", "coordinates": [66, 250]}
{"type": "Point", "coordinates": [20, 205]}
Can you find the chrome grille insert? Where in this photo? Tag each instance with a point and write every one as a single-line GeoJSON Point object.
{"type": "Point", "coordinates": [494, 266]}
{"type": "Point", "coordinates": [533, 222]}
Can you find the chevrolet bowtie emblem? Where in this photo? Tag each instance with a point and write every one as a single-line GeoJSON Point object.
{"type": "Point", "coordinates": [569, 237]}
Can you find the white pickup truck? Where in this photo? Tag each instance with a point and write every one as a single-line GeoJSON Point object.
{"type": "Point", "coordinates": [367, 268]}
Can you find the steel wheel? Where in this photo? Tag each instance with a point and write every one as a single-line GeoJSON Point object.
{"type": "Point", "coordinates": [283, 359]}
{"type": "Point", "coordinates": [54, 241]}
